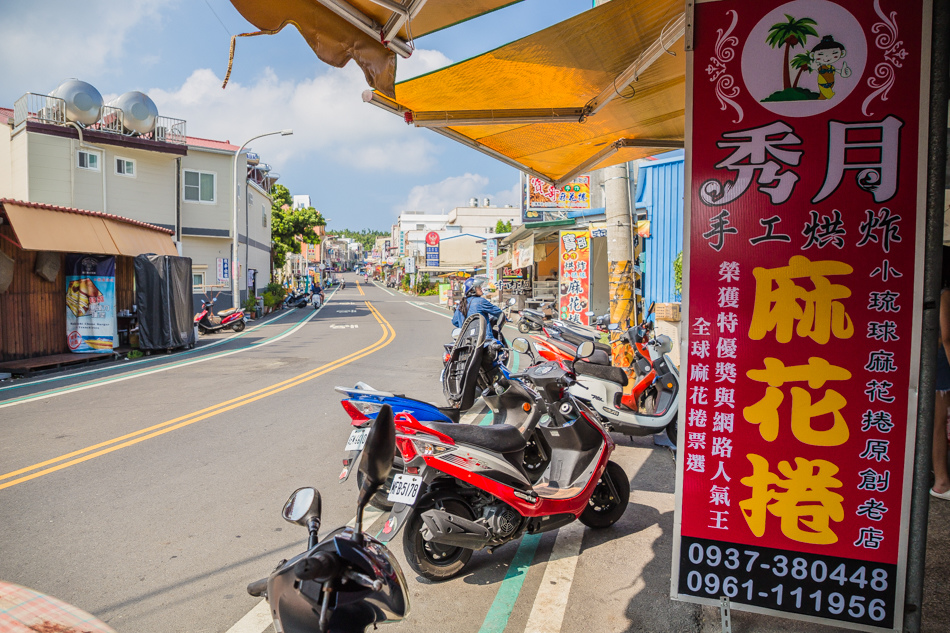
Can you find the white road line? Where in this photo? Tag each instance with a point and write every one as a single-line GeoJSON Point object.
{"type": "Point", "coordinates": [416, 305]}
{"type": "Point", "coordinates": [256, 620]}
{"type": "Point", "coordinates": [43, 396]}
{"type": "Point", "coordinates": [383, 289]}
{"type": "Point", "coordinates": [547, 615]}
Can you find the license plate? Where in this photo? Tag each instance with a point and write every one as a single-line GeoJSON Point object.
{"type": "Point", "coordinates": [356, 440]}
{"type": "Point", "coordinates": [405, 489]}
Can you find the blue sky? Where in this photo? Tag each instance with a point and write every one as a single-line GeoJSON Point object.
{"type": "Point", "coordinates": [360, 165]}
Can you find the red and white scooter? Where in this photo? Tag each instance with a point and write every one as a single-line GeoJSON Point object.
{"type": "Point", "coordinates": [465, 487]}
{"type": "Point", "coordinates": [207, 321]}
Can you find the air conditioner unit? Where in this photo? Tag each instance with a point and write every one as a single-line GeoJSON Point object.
{"type": "Point", "coordinates": [160, 133]}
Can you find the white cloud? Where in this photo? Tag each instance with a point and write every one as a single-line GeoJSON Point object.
{"type": "Point", "coordinates": [456, 191]}
{"type": "Point", "coordinates": [45, 41]}
{"type": "Point", "coordinates": [326, 113]}
{"type": "Point", "coordinates": [420, 62]}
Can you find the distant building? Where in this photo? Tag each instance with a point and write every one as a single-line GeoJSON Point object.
{"type": "Point", "coordinates": [302, 201]}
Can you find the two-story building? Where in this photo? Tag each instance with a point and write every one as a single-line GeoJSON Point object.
{"type": "Point", "coordinates": [161, 177]}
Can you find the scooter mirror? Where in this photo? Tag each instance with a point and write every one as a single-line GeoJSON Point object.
{"type": "Point", "coordinates": [585, 349]}
{"type": "Point", "coordinates": [512, 301]}
{"type": "Point", "coordinates": [304, 504]}
{"type": "Point", "coordinates": [521, 345]}
{"type": "Point", "coordinates": [456, 332]}
{"type": "Point", "coordinates": [613, 326]}
{"type": "Point", "coordinates": [589, 313]}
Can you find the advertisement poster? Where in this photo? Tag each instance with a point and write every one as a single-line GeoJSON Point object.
{"type": "Point", "coordinates": [432, 249]}
{"type": "Point", "coordinates": [444, 291]}
{"type": "Point", "coordinates": [223, 270]}
{"type": "Point", "coordinates": [516, 281]}
{"type": "Point", "coordinates": [803, 299]}
{"type": "Point", "coordinates": [90, 303]}
{"type": "Point", "coordinates": [491, 253]}
{"type": "Point", "coordinates": [522, 253]}
{"type": "Point", "coordinates": [543, 197]}
{"type": "Point", "coordinates": [574, 276]}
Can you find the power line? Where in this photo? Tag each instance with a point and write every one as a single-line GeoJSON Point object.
{"type": "Point", "coordinates": [219, 19]}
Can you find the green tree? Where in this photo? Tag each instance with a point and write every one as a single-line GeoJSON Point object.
{"type": "Point", "coordinates": [291, 227]}
{"type": "Point", "coordinates": [366, 237]}
{"type": "Point", "coordinates": [678, 274]}
{"type": "Point", "coordinates": [503, 227]}
{"type": "Point", "coordinates": [802, 62]}
{"type": "Point", "coordinates": [789, 34]}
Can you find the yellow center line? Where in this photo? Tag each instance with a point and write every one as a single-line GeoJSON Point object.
{"type": "Point", "coordinates": [389, 334]}
{"type": "Point", "coordinates": [360, 288]}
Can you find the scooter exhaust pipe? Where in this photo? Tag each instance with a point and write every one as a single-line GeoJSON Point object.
{"type": "Point", "coordinates": [454, 531]}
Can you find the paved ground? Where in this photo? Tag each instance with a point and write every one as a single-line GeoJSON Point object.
{"type": "Point", "coordinates": [149, 493]}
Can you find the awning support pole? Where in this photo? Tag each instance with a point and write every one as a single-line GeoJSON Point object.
{"type": "Point", "coordinates": [400, 18]}
{"type": "Point", "coordinates": [612, 149]}
{"type": "Point", "coordinates": [366, 24]}
{"type": "Point", "coordinates": [936, 182]}
{"type": "Point", "coordinates": [14, 242]}
{"type": "Point", "coordinates": [674, 30]}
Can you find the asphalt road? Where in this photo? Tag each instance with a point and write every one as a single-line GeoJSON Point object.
{"type": "Point", "coordinates": [149, 493]}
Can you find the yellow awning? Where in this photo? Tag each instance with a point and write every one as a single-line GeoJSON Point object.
{"type": "Point", "coordinates": [367, 31]}
{"type": "Point", "coordinates": [40, 227]}
{"type": "Point", "coordinates": [620, 68]}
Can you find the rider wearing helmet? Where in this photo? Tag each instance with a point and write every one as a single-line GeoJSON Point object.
{"type": "Point", "coordinates": [475, 303]}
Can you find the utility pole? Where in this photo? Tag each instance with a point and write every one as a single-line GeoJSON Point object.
{"type": "Point", "coordinates": [620, 249]}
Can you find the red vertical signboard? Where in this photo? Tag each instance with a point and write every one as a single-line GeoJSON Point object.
{"type": "Point", "coordinates": [574, 276]}
{"type": "Point", "coordinates": [805, 221]}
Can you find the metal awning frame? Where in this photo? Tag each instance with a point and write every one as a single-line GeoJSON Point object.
{"type": "Point", "coordinates": [442, 121]}
{"type": "Point", "coordinates": [385, 32]}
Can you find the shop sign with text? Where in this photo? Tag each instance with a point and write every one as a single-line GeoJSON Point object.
{"type": "Point", "coordinates": [807, 149]}
{"type": "Point", "coordinates": [574, 276]}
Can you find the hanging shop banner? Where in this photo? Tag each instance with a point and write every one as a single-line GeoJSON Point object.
{"type": "Point", "coordinates": [522, 253]}
{"type": "Point", "coordinates": [444, 291]}
{"type": "Point", "coordinates": [574, 276]}
{"type": "Point", "coordinates": [573, 195]}
{"type": "Point", "coordinates": [90, 303]}
{"type": "Point", "coordinates": [516, 281]}
{"type": "Point", "coordinates": [432, 248]}
{"type": "Point", "coordinates": [491, 253]}
{"type": "Point", "coordinates": [804, 298]}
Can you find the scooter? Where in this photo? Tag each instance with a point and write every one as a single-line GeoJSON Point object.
{"type": "Point", "coordinates": [534, 320]}
{"type": "Point", "coordinates": [208, 322]}
{"type": "Point", "coordinates": [349, 581]}
{"type": "Point", "coordinates": [465, 487]}
{"type": "Point", "coordinates": [296, 299]}
{"type": "Point", "coordinates": [603, 388]}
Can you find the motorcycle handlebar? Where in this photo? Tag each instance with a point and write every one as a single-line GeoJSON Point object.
{"type": "Point", "coordinates": [257, 588]}
{"type": "Point", "coordinates": [322, 566]}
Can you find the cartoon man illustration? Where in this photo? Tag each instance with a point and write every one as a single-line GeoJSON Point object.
{"type": "Point", "coordinates": [824, 55]}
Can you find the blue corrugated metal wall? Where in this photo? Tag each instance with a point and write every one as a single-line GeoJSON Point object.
{"type": "Point", "coordinates": [660, 194]}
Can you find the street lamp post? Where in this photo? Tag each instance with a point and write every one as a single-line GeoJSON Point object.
{"type": "Point", "coordinates": [235, 294]}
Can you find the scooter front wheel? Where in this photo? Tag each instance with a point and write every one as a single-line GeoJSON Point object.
{"type": "Point", "coordinates": [435, 561]}
{"type": "Point", "coordinates": [238, 326]}
{"type": "Point", "coordinates": [523, 327]}
{"type": "Point", "coordinates": [610, 498]}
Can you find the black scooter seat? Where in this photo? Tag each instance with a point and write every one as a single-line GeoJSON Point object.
{"type": "Point", "coordinates": [534, 313]}
{"type": "Point", "coordinates": [612, 374]}
{"type": "Point", "coordinates": [500, 438]}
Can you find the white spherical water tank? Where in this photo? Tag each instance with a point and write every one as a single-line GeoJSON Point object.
{"type": "Point", "coordinates": [139, 113]}
{"type": "Point", "coordinates": [83, 101]}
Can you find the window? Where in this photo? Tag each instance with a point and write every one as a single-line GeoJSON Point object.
{"type": "Point", "coordinates": [198, 281]}
{"type": "Point", "coordinates": [88, 160]}
{"type": "Point", "coordinates": [199, 186]}
{"type": "Point", "coordinates": [420, 227]}
{"type": "Point", "coordinates": [125, 167]}
{"type": "Point", "coordinates": [264, 216]}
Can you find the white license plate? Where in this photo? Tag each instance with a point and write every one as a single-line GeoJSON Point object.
{"type": "Point", "coordinates": [356, 440]}
{"type": "Point", "coordinates": [405, 489]}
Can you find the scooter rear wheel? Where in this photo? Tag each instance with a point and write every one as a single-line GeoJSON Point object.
{"type": "Point", "coordinates": [604, 508]}
{"type": "Point", "coordinates": [434, 561]}
{"type": "Point", "coordinates": [238, 326]}
{"type": "Point", "coordinates": [523, 327]}
{"type": "Point", "coordinates": [380, 500]}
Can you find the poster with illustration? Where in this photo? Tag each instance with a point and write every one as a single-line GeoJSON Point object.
{"type": "Point", "coordinates": [574, 276]}
{"type": "Point", "coordinates": [90, 303]}
{"type": "Point", "coordinates": [803, 307]}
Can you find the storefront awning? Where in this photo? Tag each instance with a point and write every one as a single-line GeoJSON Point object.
{"type": "Point", "coordinates": [370, 32]}
{"type": "Point", "coordinates": [44, 227]}
{"type": "Point", "coordinates": [502, 260]}
{"type": "Point", "coordinates": [602, 88]}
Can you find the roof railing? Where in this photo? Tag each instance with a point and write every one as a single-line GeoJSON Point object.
{"type": "Point", "coordinates": [41, 108]}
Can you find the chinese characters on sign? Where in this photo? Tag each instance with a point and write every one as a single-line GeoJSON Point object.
{"type": "Point", "coordinates": [574, 276]}
{"type": "Point", "coordinates": [801, 326]}
{"type": "Point", "coordinates": [542, 197]}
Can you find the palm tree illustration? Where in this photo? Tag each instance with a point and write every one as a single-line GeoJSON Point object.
{"type": "Point", "coordinates": [791, 33]}
{"type": "Point", "coordinates": [801, 62]}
